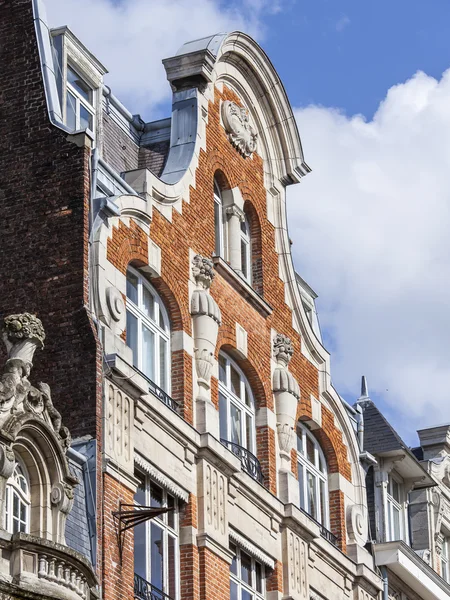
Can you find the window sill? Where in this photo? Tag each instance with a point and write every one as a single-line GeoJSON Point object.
{"type": "Point", "coordinates": [241, 286]}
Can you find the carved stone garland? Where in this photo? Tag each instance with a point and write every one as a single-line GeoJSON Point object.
{"type": "Point", "coordinates": [206, 320]}
{"type": "Point", "coordinates": [287, 394]}
{"type": "Point", "coordinates": [240, 133]}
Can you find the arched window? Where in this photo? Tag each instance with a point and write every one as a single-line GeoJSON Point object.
{"type": "Point", "coordinates": [236, 405]}
{"type": "Point", "coordinates": [246, 253]}
{"type": "Point", "coordinates": [148, 331]}
{"type": "Point", "coordinates": [312, 476]}
{"type": "Point", "coordinates": [218, 220]}
{"type": "Point", "coordinates": [18, 500]}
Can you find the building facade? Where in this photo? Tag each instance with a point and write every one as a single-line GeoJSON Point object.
{"type": "Point", "coordinates": [210, 455]}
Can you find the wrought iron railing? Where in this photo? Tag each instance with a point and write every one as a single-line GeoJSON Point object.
{"type": "Point", "coordinates": [144, 590]}
{"type": "Point", "coordinates": [250, 464]}
{"type": "Point", "coordinates": [324, 532]}
{"type": "Point", "coordinates": [162, 395]}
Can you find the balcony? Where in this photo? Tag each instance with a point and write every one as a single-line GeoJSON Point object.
{"type": "Point", "coordinates": [161, 395]}
{"type": "Point", "coordinates": [146, 591]}
{"type": "Point", "coordinates": [52, 570]}
{"type": "Point", "coordinates": [324, 532]}
{"type": "Point", "coordinates": [249, 463]}
{"type": "Point", "coordinates": [410, 568]}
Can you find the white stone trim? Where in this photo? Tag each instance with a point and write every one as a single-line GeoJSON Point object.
{"type": "Point", "coordinates": [249, 547]}
{"type": "Point", "coordinates": [160, 478]}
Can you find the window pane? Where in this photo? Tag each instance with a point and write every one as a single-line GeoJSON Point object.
{"type": "Point", "coordinates": [258, 577]}
{"type": "Point", "coordinates": [246, 595]}
{"type": "Point", "coordinates": [156, 557]}
{"type": "Point", "coordinates": [300, 442]}
{"type": "Point", "coordinates": [395, 490]}
{"type": "Point", "coordinates": [301, 484]}
{"type": "Point", "coordinates": [218, 228]}
{"type": "Point", "coordinates": [171, 515]}
{"type": "Point", "coordinates": [148, 303]}
{"type": "Point", "coordinates": [246, 568]}
{"type": "Point", "coordinates": [323, 502]}
{"type": "Point", "coordinates": [233, 566]}
{"type": "Point", "coordinates": [132, 287]}
{"type": "Point", "coordinates": [86, 119]}
{"type": "Point", "coordinates": [248, 398]}
{"type": "Point", "coordinates": [15, 505]}
{"type": "Point", "coordinates": [156, 496]}
{"type": "Point", "coordinates": [396, 523]}
{"type": "Point", "coordinates": [162, 323]}
{"type": "Point", "coordinates": [139, 496]}
{"type": "Point", "coordinates": [223, 417]}
{"type": "Point", "coordinates": [71, 112]}
{"type": "Point", "coordinates": [222, 369]}
{"type": "Point", "coordinates": [311, 490]}
{"type": "Point", "coordinates": [79, 84]}
{"type": "Point", "coordinates": [321, 464]}
{"type": "Point", "coordinates": [233, 590]}
{"type": "Point", "coordinates": [163, 364]}
{"type": "Point", "coordinates": [148, 352]}
{"type": "Point", "coordinates": [235, 381]}
{"type": "Point", "coordinates": [235, 425]}
{"type": "Point", "coordinates": [249, 432]}
{"type": "Point", "coordinates": [310, 450]}
{"type": "Point", "coordinates": [244, 259]}
{"type": "Point", "coordinates": [171, 574]}
{"type": "Point", "coordinates": [139, 550]}
{"type": "Point", "coordinates": [132, 336]}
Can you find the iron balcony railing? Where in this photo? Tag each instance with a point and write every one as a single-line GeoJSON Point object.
{"type": "Point", "coordinates": [250, 464]}
{"type": "Point", "coordinates": [160, 393]}
{"type": "Point", "coordinates": [324, 532]}
{"type": "Point", "coordinates": [146, 591]}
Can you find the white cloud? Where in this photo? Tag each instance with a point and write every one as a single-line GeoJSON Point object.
{"type": "Point", "coordinates": [371, 231]}
{"type": "Point", "coordinates": [131, 37]}
{"type": "Point", "coordinates": [342, 23]}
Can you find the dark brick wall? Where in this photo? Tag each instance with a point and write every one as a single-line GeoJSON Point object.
{"type": "Point", "coordinates": [118, 149]}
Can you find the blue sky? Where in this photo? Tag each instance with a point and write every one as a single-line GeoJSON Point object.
{"type": "Point", "coordinates": [368, 85]}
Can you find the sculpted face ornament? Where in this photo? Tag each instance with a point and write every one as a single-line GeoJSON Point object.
{"type": "Point", "coordinates": [240, 133]}
{"type": "Point", "coordinates": [203, 271]}
{"type": "Point", "coordinates": [283, 348]}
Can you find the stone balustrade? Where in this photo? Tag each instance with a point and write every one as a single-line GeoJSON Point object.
{"type": "Point", "coordinates": [50, 569]}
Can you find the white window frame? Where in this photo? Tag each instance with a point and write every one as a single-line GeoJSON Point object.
{"type": "Point", "coordinates": [15, 490]}
{"type": "Point", "coordinates": [153, 324]}
{"type": "Point", "coordinates": [219, 221]}
{"type": "Point", "coordinates": [237, 577]}
{"type": "Point", "coordinates": [79, 100]}
{"type": "Point", "coordinates": [305, 466]}
{"type": "Point", "coordinates": [162, 522]}
{"type": "Point", "coordinates": [445, 559]}
{"type": "Point", "coordinates": [245, 241]}
{"type": "Point", "coordinates": [238, 402]}
{"type": "Point", "coordinates": [395, 505]}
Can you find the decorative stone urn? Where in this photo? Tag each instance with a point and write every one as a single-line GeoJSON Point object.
{"type": "Point", "coordinates": [206, 320]}
{"type": "Point", "coordinates": [287, 393]}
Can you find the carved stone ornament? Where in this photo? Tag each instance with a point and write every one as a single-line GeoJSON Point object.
{"type": "Point", "coordinates": [203, 271]}
{"type": "Point", "coordinates": [283, 349]}
{"type": "Point", "coordinates": [357, 523]}
{"type": "Point", "coordinates": [240, 133]}
{"type": "Point", "coordinates": [116, 304]}
{"type": "Point", "coordinates": [22, 334]}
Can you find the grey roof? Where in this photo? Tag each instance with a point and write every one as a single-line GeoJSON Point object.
{"type": "Point", "coordinates": [379, 435]}
{"type": "Point", "coordinates": [77, 528]}
{"type": "Point", "coordinates": [210, 42]}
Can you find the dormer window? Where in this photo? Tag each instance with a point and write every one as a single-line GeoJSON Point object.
{"type": "Point", "coordinates": [80, 109]}
{"type": "Point", "coordinates": [395, 510]}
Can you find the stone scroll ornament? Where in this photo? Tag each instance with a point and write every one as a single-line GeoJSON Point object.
{"type": "Point", "coordinates": [22, 335]}
{"type": "Point", "coordinates": [237, 125]}
{"type": "Point", "coordinates": [206, 320]}
{"type": "Point", "coordinates": [287, 393]}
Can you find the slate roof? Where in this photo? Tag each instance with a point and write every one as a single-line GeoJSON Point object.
{"type": "Point", "coordinates": [77, 528]}
{"type": "Point", "coordinates": [379, 435]}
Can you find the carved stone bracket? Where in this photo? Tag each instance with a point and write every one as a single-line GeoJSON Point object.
{"type": "Point", "coordinates": [240, 133]}
{"type": "Point", "coordinates": [287, 394]}
{"type": "Point", "coordinates": [203, 271]}
{"type": "Point", "coordinates": [235, 211]}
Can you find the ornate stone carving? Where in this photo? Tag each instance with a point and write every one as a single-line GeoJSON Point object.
{"type": "Point", "coordinates": [357, 523]}
{"type": "Point", "coordinates": [22, 334]}
{"type": "Point", "coordinates": [116, 304]}
{"type": "Point", "coordinates": [237, 124]}
{"type": "Point", "coordinates": [235, 211]}
{"type": "Point", "coordinates": [203, 271]}
{"type": "Point", "coordinates": [119, 427]}
{"type": "Point", "coordinates": [287, 394]}
{"type": "Point", "coordinates": [283, 349]}
{"type": "Point", "coordinates": [295, 556]}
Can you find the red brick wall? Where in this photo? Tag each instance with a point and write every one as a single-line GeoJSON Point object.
{"type": "Point", "coordinates": [214, 576]}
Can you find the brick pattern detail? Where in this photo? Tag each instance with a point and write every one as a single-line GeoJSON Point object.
{"type": "Point", "coordinates": [118, 149]}
{"type": "Point", "coordinates": [154, 156]}
{"type": "Point", "coordinates": [274, 578]}
{"type": "Point", "coordinates": [337, 518]}
{"type": "Point", "coordinates": [118, 582]}
{"type": "Point", "coordinates": [214, 576]}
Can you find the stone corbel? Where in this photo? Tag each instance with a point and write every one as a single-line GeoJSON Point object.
{"type": "Point", "coordinates": [385, 468]}
{"type": "Point", "coordinates": [206, 320]}
{"type": "Point", "coordinates": [287, 393]}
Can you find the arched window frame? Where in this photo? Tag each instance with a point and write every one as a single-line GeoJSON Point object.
{"type": "Point", "coordinates": [219, 227]}
{"type": "Point", "coordinates": [140, 320]}
{"type": "Point", "coordinates": [18, 500]}
{"type": "Point", "coordinates": [230, 403]}
{"type": "Point", "coordinates": [246, 250]}
{"type": "Point", "coordinates": [312, 476]}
